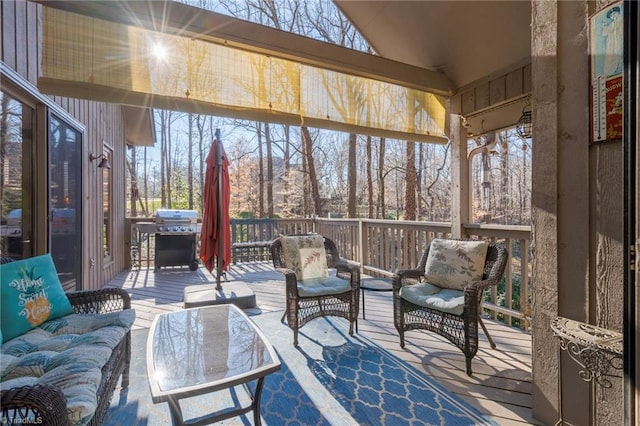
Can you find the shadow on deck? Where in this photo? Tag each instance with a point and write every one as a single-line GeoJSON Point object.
{"type": "Point", "coordinates": [500, 386]}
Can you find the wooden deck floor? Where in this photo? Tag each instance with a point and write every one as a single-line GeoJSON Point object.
{"type": "Point", "coordinates": [501, 383]}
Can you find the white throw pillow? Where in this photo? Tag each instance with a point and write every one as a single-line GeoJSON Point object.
{"type": "Point", "coordinates": [305, 255]}
{"type": "Point", "coordinates": [453, 264]}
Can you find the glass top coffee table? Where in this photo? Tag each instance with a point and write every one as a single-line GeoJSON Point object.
{"type": "Point", "coordinates": [203, 350]}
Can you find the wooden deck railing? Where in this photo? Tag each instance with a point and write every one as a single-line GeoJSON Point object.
{"type": "Point", "coordinates": [383, 246]}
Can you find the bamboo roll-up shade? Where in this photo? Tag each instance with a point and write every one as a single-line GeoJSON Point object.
{"type": "Point", "coordinates": [86, 57]}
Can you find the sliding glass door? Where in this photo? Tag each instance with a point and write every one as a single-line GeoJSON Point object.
{"type": "Point", "coordinates": [65, 201]}
{"type": "Point", "coordinates": [16, 177]}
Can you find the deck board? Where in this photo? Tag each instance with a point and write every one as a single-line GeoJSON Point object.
{"type": "Point", "coordinates": [500, 386]}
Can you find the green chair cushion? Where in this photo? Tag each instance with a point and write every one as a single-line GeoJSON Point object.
{"type": "Point", "coordinates": [434, 297]}
{"type": "Point", "coordinates": [323, 286]}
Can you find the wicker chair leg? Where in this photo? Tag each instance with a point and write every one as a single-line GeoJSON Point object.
{"type": "Point", "coordinates": [125, 373]}
{"type": "Point", "coordinates": [351, 328]}
{"type": "Point", "coordinates": [402, 339]}
{"type": "Point", "coordinates": [468, 361]}
{"type": "Point", "coordinates": [295, 337]}
{"type": "Point", "coordinates": [486, 333]}
{"type": "Point", "coordinates": [125, 378]}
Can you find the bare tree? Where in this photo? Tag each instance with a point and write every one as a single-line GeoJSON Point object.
{"type": "Point", "coordinates": [190, 163]}
{"type": "Point", "coordinates": [504, 207]}
{"type": "Point", "coordinates": [267, 134]}
{"type": "Point", "coordinates": [352, 180]}
{"type": "Point", "coordinates": [410, 183]}
{"type": "Point", "coordinates": [165, 118]}
{"type": "Point", "coordinates": [286, 161]}
{"type": "Point", "coordinates": [381, 175]}
{"type": "Point", "coordinates": [311, 171]}
{"type": "Point", "coordinates": [134, 193]}
{"type": "Point", "coordinates": [260, 172]}
{"type": "Point", "coordinates": [369, 179]}
{"type": "Point", "coordinates": [431, 196]}
{"type": "Point", "coordinates": [419, 203]}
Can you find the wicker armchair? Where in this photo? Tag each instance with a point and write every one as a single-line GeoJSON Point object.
{"type": "Point", "coordinates": [301, 309]}
{"type": "Point", "coordinates": [461, 330]}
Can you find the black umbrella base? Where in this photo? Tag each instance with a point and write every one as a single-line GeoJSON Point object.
{"type": "Point", "coordinates": [237, 293]}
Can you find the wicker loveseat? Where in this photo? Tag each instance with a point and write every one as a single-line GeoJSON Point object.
{"type": "Point", "coordinates": [65, 370]}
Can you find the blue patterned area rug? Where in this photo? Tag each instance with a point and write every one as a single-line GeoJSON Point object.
{"type": "Point", "coordinates": [330, 379]}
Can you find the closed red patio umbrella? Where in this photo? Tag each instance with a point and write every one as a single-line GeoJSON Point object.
{"type": "Point", "coordinates": [215, 234]}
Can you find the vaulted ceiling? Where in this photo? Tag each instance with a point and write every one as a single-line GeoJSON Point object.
{"type": "Point", "coordinates": [465, 40]}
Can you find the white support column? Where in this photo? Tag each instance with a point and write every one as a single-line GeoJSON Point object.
{"type": "Point", "coordinates": [459, 169]}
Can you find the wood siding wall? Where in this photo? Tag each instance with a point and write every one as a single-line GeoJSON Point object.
{"type": "Point", "coordinates": [21, 36]}
{"type": "Point", "coordinates": [578, 217]}
{"type": "Point", "coordinates": [496, 102]}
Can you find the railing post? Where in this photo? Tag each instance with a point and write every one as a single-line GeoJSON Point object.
{"type": "Point", "coordinates": [233, 230]}
{"type": "Point", "coordinates": [508, 288]}
{"type": "Point", "coordinates": [525, 308]}
{"type": "Point", "coordinates": [360, 246]}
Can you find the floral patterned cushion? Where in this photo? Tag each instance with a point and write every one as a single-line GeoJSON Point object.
{"type": "Point", "coordinates": [67, 352]}
{"type": "Point", "coordinates": [305, 255]}
{"type": "Point", "coordinates": [453, 264]}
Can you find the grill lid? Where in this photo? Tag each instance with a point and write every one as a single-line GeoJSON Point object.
{"type": "Point", "coordinates": [173, 216]}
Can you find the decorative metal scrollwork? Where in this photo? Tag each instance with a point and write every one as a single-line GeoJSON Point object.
{"type": "Point", "coordinates": [597, 350]}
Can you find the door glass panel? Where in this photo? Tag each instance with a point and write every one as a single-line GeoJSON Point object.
{"type": "Point", "coordinates": [16, 142]}
{"type": "Point", "coordinates": [65, 191]}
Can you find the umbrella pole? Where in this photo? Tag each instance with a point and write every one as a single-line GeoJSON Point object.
{"type": "Point", "coordinates": [219, 211]}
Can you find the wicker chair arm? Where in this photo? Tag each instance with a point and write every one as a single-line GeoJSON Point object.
{"type": "Point", "coordinates": [99, 301]}
{"type": "Point", "coordinates": [479, 286]}
{"type": "Point", "coordinates": [291, 281]}
{"type": "Point", "coordinates": [45, 404]}
{"type": "Point", "coordinates": [285, 271]}
{"type": "Point", "coordinates": [473, 293]}
{"type": "Point", "coordinates": [474, 289]}
{"type": "Point", "coordinates": [344, 264]}
{"type": "Point", "coordinates": [348, 271]}
{"type": "Point", "coordinates": [406, 277]}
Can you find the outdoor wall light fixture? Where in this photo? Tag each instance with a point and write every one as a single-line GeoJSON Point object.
{"type": "Point", "coordinates": [464, 121]}
{"type": "Point", "coordinates": [524, 126]}
{"type": "Point", "coordinates": [104, 162]}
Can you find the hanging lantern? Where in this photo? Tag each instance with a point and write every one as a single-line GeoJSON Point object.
{"type": "Point", "coordinates": [524, 126]}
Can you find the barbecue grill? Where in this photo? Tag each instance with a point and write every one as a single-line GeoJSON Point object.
{"type": "Point", "coordinates": [176, 232]}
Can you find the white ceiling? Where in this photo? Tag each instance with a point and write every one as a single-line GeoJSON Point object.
{"type": "Point", "coordinates": [465, 40]}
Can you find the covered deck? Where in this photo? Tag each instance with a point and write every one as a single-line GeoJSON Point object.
{"type": "Point", "coordinates": [500, 387]}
